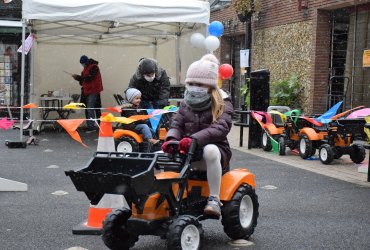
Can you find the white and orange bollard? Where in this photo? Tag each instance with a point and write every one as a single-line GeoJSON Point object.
{"type": "Point", "coordinates": [96, 215]}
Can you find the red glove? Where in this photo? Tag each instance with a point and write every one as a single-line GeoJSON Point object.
{"type": "Point", "coordinates": [184, 145]}
{"type": "Point", "coordinates": [167, 148]}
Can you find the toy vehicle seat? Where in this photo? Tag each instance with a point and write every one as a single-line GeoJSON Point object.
{"type": "Point", "coordinates": [202, 175]}
{"type": "Point", "coordinates": [281, 109]}
{"type": "Point", "coordinates": [278, 118]}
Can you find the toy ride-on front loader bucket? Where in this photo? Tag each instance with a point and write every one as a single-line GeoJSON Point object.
{"type": "Point", "coordinates": [115, 173]}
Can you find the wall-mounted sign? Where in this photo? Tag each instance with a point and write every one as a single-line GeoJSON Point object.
{"type": "Point", "coordinates": [244, 58]}
{"type": "Point", "coordinates": [366, 58]}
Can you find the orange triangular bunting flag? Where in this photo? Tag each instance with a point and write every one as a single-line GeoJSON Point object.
{"type": "Point", "coordinates": [114, 109]}
{"type": "Point", "coordinates": [71, 126]}
{"type": "Point", "coordinates": [140, 117]}
{"type": "Point", "coordinates": [30, 106]}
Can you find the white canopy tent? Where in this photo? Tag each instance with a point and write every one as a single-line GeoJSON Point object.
{"type": "Point", "coordinates": [124, 23]}
{"type": "Point", "coordinates": [112, 21]}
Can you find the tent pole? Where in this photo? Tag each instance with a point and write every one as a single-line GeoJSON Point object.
{"type": "Point", "coordinates": [178, 60]}
{"type": "Point", "coordinates": [22, 78]}
{"type": "Point", "coordinates": [31, 92]}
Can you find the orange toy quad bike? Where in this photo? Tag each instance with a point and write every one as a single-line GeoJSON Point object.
{"type": "Point", "coordinates": [166, 197]}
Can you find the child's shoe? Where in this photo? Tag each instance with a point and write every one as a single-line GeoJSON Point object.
{"type": "Point", "coordinates": [213, 207]}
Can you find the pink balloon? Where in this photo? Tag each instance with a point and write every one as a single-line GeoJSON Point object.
{"type": "Point", "coordinates": [225, 71]}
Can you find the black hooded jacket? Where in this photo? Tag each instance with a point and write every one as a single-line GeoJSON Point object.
{"type": "Point", "coordinates": [157, 90]}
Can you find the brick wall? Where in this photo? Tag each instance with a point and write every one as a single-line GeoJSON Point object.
{"type": "Point", "coordinates": [280, 12]}
{"type": "Point", "coordinates": [320, 62]}
{"type": "Point", "coordinates": [276, 13]}
{"type": "Point", "coordinates": [285, 50]}
{"type": "Point", "coordinates": [310, 58]}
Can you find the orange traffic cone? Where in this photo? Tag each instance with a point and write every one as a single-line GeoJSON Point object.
{"type": "Point", "coordinates": [106, 140]}
{"type": "Point", "coordinates": [97, 214]}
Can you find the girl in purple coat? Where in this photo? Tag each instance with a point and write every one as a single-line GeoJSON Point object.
{"type": "Point", "coordinates": [205, 116]}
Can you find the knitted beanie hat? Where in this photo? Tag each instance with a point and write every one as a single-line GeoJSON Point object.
{"type": "Point", "coordinates": [147, 66]}
{"type": "Point", "coordinates": [204, 71]}
{"type": "Point", "coordinates": [131, 93]}
{"type": "Point", "coordinates": [83, 59]}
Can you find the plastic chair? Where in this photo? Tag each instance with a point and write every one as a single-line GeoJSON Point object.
{"type": "Point", "coordinates": [75, 97]}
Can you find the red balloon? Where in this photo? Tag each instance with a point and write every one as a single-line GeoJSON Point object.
{"type": "Point", "coordinates": [225, 71]}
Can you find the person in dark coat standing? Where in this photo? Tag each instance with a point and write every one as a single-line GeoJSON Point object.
{"type": "Point", "coordinates": [153, 83]}
{"type": "Point", "coordinates": [91, 86]}
{"type": "Point", "coordinates": [205, 115]}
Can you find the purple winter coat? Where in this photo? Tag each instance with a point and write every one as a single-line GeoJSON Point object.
{"type": "Point", "coordinates": [198, 125]}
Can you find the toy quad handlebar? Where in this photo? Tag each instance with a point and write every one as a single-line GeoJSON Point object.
{"type": "Point", "coordinates": [187, 157]}
{"type": "Point", "coordinates": [174, 144]}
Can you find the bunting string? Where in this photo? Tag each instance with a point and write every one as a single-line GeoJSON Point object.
{"type": "Point", "coordinates": [71, 125]}
{"type": "Point", "coordinates": [82, 106]}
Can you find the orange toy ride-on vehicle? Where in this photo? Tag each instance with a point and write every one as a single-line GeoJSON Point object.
{"type": "Point", "coordinates": [129, 141]}
{"type": "Point", "coordinates": [272, 128]}
{"type": "Point", "coordinates": [340, 140]}
{"type": "Point", "coordinates": [166, 197]}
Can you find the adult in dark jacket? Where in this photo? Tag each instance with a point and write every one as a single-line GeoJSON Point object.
{"type": "Point", "coordinates": [153, 83]}
{"type": "Point", "coordinates": [91, 86]}
{"type": "Point", "coordinates": [205, 116]}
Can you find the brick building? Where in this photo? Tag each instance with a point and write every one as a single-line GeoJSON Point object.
{"type": "Point", "coordinates": [322, 41]}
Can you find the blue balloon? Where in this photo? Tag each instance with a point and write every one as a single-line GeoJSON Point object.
{"type": "Point", "coordinates": [216, 28]}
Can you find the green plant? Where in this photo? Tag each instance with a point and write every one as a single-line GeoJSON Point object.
{"type": "Point", "coordinates": [286, 92]}
{"type": "Point", "coordinates": [244, 91]}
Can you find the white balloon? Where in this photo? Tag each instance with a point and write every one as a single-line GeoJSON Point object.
{"type": "Point", "coordinates": [212, 43]}
{"type": "Point", "coordinates": [197, 40]}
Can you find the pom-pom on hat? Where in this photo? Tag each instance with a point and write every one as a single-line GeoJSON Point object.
{"type": "Point", "coordinates": [83, 59]}
{"type": "Point", "coordinates": [147, 66]}
{"type": "Point", "coordinates": [204, 71]}
{"type": "Point", "coordinates": [131, 93]}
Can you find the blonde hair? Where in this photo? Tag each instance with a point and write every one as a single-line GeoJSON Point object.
{"type": "Point", "coordinates": [218, 104]}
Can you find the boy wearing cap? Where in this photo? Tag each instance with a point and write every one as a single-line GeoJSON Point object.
{"type": "Point", "coordinates": [133, 96]}
{"type": "Point", "coordinates": [153, 83]}
{"type": "Point", "coordinates": [91, 86]}
{"type": "Point", "coordinates": [205, 117]}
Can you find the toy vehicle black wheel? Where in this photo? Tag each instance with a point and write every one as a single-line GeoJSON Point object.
{"type": "Point", "coordinates": [326, 154]}
{"type": "Point", "coordinates": [337, 152]}
{"type": "Point", "coordinates": [305, 147]}
{"type": "Point", "coordinates": [282, 146]}
{"type": "Point", "coordinates": [357, 153]}
{"type": "Point", "coordinates": [126, 145]}
{"type": "Point", "coordinates": [184, 233]}
{"type": "Point", "coordinates": [239, 215]}
{"type": "Point", "coordinates": [266, 142]}
{"type": "Point", "coordinates": [292, 144]}
{"type": "Point", "coordinates": [114, 233]}
{"type": "Point", "coordinates": [313, 152]}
